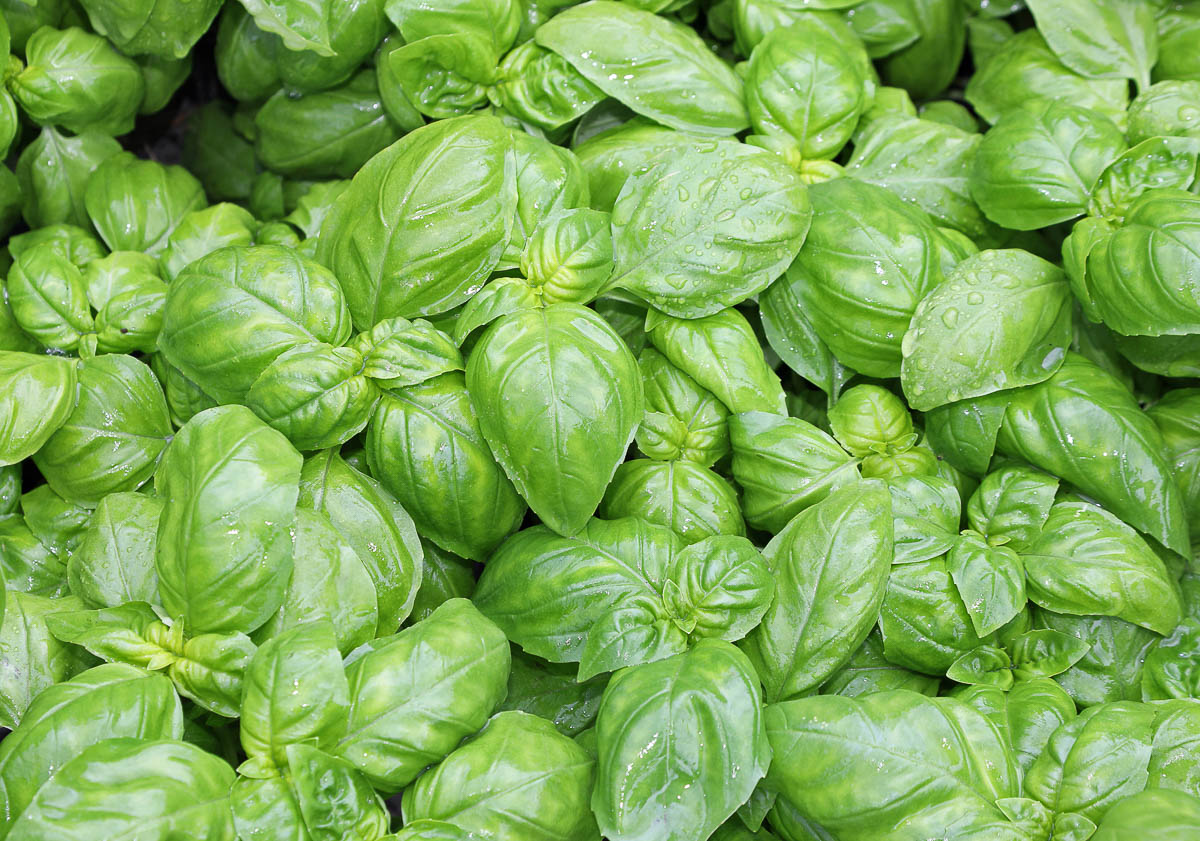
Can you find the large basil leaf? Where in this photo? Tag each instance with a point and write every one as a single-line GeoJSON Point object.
{"type": "Point", "coordinates": [682, 745]}
{"type": "Point", "coordinates": [375, 525]}
{"type": "Point", "coordinates": [31, 659]}
{"type": "Point", "coordinates": [135, 204]}
{"type": "Point", "coordinates": [783, 466]}
{"type": "Point", "coordinates": [707, 228]}
{"type": "Point", "coordinates": [656, 66]}
{"type": "Point", "coordinates": [47, 297]}
{"type": "Point", "coordinates": [923, 620]}
{"type": "Point", "coordinates": [443, 75]}
{"type": "Point", "coordinates": [328, 581]}
{"type": "Point", "coordinates": [563, 598]}
{"type": "Point", "coordinates": [1113, 453]}
{"type": "Point", "coordinates": [127, 786]}
{"type": "Point", "coordinates": [230, 314]}
{"type": "Point", "coordinates": [1026, 716]}
{"type": "Point", "coordinates": [517, 778]}
{"type": "Point", "coordinates": [425, 445]}
{"type": "Point", "coordinates": [1094, 760]}
{"type": "Point", "coordinates": [1001, 320]}
{"type": "Point", "coordinates": [831, 563]}
{"type": "Point", "coordinates": [114, 562]}
{"type": "Point", "coordinates": [53, 172]}
{"type": "Point", "coordinates": [109, 701]}
{"type": "Point", "coordinates": [924, 162]}
{"type": "Point", "coordinates": [111, 441]}
{"type": "Point", "coordinates": [424, 222]}
{"type": "Point", "coordinates": [868, 260]}
{"type": "Point", "coordinates": [1038, 165]}
{"type": "Point", "coordinates": [1102, 39]}
{"type": "Point", "coordinates": [1152, 816]}
{"type": "Point", "coordinates": [721, 353]}
{"type": "Point", "coordinates": [559, 397]}
{"type": "Point", "coordinates": [801, 84]}
{"type": "Point", "coordinates": [37, 393]}
{"type": "Point", "coordinates": [415, 695]}
{"type": "Point", "coordinates": [1087, 562]}
{"type": "Point", "coordinates": [1131, 274]}
{"type": "Point", "coordinates": [294, 691]}
{"type": "Point", "coordinates": [224, 556]}
{"type": "Point", "coordinates": [314, 394]}
{"type": "Point", "coordinates": [691, 500]}
{"type": "Point", "coordinates": [892, 766]}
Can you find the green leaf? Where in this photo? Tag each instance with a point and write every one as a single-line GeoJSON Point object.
{"type": "Point", "coordinates": [1045, 653]}
{"type": "Point", "coordinates": [328, 581]}
{"type": "Point", "coordinates": [984, 666]}
{"type": "Point", "coordinates": [1023, 68]}
{"type": "Point", "coordinates": [124, 786]}
{"type": "Point", "coordinates": [1001, 320]}
{"type": "Point", "coordinates": [784, 465]}
{"type": "Point", "coordinates": [691, 500]}
{"type": "Point", "coordinates": [549, 592]}
{"type": "Point", "coordinates": [1102, 39]}
{"type": "Point", "coordinates": [114, 562]}
{"type": "Point", "coordinates": [517, 777]}
{"type": "Point", "coordinates": [224, 554]}
{"type": "Point", "coordinates": [892, 765]}
{"type": "Point", "coordinates": [1038, 165]}
{"type": "Point", "coordinates": [868, 260]}
{"type": "Point", "coordinates": [655, 66]}
{"type": "Point", "coordinates": [1026, 716]}
{"type": "Point", "coordinates": [831, 565]}
{"type": "Point", "coordinates": [707, 229]}
{"type": "Point", "coordinates": [1094, 761]}
{"type": "Point", "coordinates": [424, 222]}
{"type": "Point", "coordinates": [558, 397]}
{"type": "Point", "coordinates": [230, 314]}
{"type": "Point", "coordinates": [375, 525]}
{"type": "Point", "coordinates": [801, 84]}
{"type": "Point", "coordinates": [1012, 504]}
{"type": "Point", "coordinates": [722, 354]}
{"type": "Point", "coordinates": [105, 702]}
{"type": "Point", "coordinates": [1114, 453]}
{"type": "Point", "coordinates": [38, 395]}
{"type": "Point", "coordinates": [295, 692]}
{"type": "Point", "coordinates": [682, 745]}
{"type": "Point", "coordinates": [1152, 164]}
{"type": "Point", "coordinates": [415, 695]}
{"type": "Point", "coordinates": [425, 444]}
{"type": "Point", "coordinates": [301, 24]}
{"type": "Point", "coordinates": [113, 438]}
{"type": "Point", "coordinates": [989, 579]}
{"type": "Point", "coordinates": [1088, 562]}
